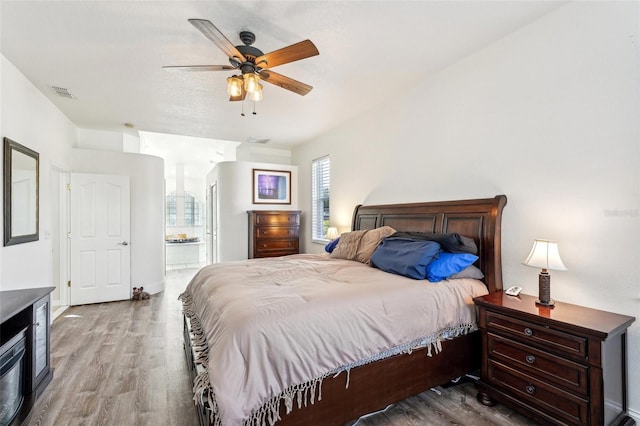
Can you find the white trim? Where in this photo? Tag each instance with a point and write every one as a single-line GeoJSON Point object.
{"type": "Point", "coordinates": [151, 288]}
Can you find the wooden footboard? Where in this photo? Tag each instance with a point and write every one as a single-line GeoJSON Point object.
{"type": "Point", "coordinates": [373, 386]}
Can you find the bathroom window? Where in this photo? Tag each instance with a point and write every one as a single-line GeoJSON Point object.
{"type": "Point", "coordinates": [183, 210]}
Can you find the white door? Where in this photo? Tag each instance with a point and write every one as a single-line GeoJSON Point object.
{"type": "Point", "coordinates": [100, 250]}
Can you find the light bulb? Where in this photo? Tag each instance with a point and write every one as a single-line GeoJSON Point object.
{"type": "Point", "coordinates": [251, 82]}
{"type": "Point", "coordinates": [234, 86]}
{"type": "Point", "coordinates": [256, 95]}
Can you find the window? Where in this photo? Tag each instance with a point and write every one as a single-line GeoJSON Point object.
{"type": "Point", "coordinates": [192, 210]}
{"type": "Point", "coordinates": [320, 171]}
{"type": "Point", "coordinates": [172, 210]}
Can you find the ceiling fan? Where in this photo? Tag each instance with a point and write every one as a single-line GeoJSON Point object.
{"type": "Point", "coordinates": [253, 64]}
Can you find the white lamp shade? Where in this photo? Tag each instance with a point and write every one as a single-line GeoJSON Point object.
{"type": "Point", "coordinates": [332, 233]}
{"type": "Point", "coordinates": [544, 254]}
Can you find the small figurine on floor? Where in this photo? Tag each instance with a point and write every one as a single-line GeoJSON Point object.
{"type": "Point", "coordinates": [139, 294]}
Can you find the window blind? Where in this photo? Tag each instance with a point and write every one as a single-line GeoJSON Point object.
{"type": "Point", "coordinates": [320, 183]}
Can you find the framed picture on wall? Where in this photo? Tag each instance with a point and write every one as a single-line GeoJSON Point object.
{"type": "Point", "coordinates": [271, 186]}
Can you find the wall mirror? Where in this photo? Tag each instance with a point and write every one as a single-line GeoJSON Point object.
{"type": "Point", "coordinates": [21, 193]}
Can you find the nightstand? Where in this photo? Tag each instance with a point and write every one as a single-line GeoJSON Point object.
{"type": "Point", "coordinates": [561, 365]}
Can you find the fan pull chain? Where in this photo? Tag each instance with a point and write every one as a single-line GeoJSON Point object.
{"type": "Point", "coordinates": [242, 109]}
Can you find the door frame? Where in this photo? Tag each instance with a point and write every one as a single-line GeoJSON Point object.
{"type": "Point", "coordinates": [212, 223]}
{"type": "Point", "coordinates": [60, 223]}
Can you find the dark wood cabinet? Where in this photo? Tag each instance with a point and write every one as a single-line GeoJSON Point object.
{"type": "Point", "coordinates": [273, 233]}
{"type": "Point", "coordinates": [565, 364]}
{"type": "Point", "coordinates": [27, 313]}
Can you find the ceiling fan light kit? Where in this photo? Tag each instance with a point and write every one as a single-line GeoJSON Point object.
{"type": "Point", "coordinates": [252, 63]}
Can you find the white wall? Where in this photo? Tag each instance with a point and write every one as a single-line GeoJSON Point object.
{"type": "Point", "coordinates": [126, 140]}
{"type": "Point", "coordinates": [147, 208]}
{"type": "Point", "coordinates": [235, 185]}
{"type": "Point", "coordinates": [30, 119]}
{"type": "Point", "coordinates": [548, 116]}
{"type": "Point", "coordinates": [262, 154]}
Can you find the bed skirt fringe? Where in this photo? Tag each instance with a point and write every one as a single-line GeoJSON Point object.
{"type": "Point", "coordinates": [305, 393]}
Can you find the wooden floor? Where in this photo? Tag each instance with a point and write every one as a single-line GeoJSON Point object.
{"type": "Point", "coordinates": [122, 363]}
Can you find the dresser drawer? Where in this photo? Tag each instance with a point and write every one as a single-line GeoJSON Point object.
{"type": "Point", "coordinates": [562, 372]}
{"type": "Point", "coordinates": [548, 399]}
{"type": "Point", "coordinates": [270, 232]}
{"type": "Point", "coordinates": [281, 218]}
{"type": "Point", "coordinates": [268, 248]}
{"type": "Point", "coordinates": [276, 245]}
{"type": "Point", "coordinates": [546, 338]}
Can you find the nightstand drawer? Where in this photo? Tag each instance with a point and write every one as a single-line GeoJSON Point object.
{"type": "Point", "coordinates": [542, 337]}
{"type": "Point", "coordinates": [276, 232]}
{"type": "Point", "coordinates": [553, 402]}
{"type": "Point", "coordinates": [564, 373]}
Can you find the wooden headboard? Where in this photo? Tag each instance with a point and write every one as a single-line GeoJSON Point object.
{"type": "Point", "coordinates": [478, 219]}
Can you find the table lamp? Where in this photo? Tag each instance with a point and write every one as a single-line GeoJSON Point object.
{"type": "Point", "coordinates": [332, 233]}
{"type": "Point", "coordinates": [544, 254]}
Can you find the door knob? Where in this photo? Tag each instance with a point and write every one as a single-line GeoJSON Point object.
{"type": "Point", "coordinates": [124, 243]}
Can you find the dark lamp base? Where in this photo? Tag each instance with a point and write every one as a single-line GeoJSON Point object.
{"type": "Point", "coordinates": [544, 289]}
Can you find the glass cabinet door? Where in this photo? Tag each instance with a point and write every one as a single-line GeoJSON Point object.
{"type": "Point", "coordinates": [40, 340]}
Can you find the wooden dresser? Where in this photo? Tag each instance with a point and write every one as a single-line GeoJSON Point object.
{"type": "Point", "coordinates": [561, 365]}
{"type": "Point", "coordinates": [273, 233]}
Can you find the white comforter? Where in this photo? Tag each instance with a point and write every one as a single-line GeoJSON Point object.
{"type": "Point", "coordinates": [271, 324]}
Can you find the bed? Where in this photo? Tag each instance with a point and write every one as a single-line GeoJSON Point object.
{"type": "Point", "coordinates": [346, 391]}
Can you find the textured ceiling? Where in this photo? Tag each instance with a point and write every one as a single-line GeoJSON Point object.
{"type": "Point", "coordinates": [109, 55]}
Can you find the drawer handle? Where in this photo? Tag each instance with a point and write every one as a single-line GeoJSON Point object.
{"type": "Point", "coordinates": [528, 331]}
{"type": "Point", "coordinates": [531, 389]}
{"type": "Point", "coordinates": [530, 359]}
{"type": "Point", "coordinates": [264, 246]}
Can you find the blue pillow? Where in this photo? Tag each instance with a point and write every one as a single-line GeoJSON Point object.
{"type": "Point", "coordinates": [405, 256]}
{"type": "Point", "coordinates": [448, 264]}
{"type": "Point", "coordinates": [332, 245]}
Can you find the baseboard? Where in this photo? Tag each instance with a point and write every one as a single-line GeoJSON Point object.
{"type": "Point", "coordinates": [153, 288]}
{"type": "Point", "coordinates": [56, 311]}
{"type": "Point", "coordinates": [635, 415]}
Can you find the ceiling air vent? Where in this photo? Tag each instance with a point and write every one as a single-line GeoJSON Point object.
{"type": "Point", "coordinates": [251, 139]}
{"type": "Point", "coordinates": [62, 92]}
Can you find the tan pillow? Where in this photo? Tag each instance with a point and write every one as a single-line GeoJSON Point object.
{"type": "Point", "coordinates": [360, 245]}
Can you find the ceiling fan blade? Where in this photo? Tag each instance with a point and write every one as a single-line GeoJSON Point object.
{"type": "Point", "coordinates": [285, 82]}
{"type": "Point", "coordinates": [198, 68]}
{"type": "Point", "coordinates": [295, 52]}
{"type": "Point", "coordinates": [215, 35]}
